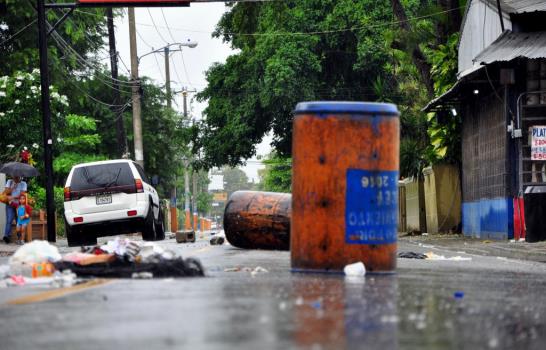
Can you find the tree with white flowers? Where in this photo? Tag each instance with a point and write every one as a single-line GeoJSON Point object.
{"type": "Point", "coordinates": [20, 116]}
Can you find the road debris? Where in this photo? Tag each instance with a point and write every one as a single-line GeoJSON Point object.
{"type": "Point", "coordinates": [356, 269]}
{"type": "Point", "coordinates": [426, 245]}
{"type": "Point", "coordinates": [35, 252]}
{"type": "Point", "coordinates": [258, 270]}
{"type": "Point", "coordinates": [41, 263]}
{"type": "Point", "coordinates": [432, 256]}
{"type": "Point", "coordinates": [458, 294]}
{"type": "Point", "coordinates": [232, 269]}
{"type": "Point", "coordinates": [34, 260]}
{"type": "Point", "coordinates": [124, 258]}
{"type": "Point", "coordinates": [258, 220]}
{"type": "Point", "coordinates": [142, 275]}
{"type": "Point", "coordinates": [253, 271]}
{"type": "Point", "coordinates": [185, 237]}
{"type": "Point", "coordinates": [4, 271]}
{"type": "Point", "coordinates": [217, 240]}
{"type": "Point", "coordinates": [411, 255]}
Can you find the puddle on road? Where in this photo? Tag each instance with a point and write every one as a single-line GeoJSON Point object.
{"type": "Point", "coordinates": [388, 312]}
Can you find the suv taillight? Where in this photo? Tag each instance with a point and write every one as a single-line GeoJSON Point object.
{"type": "Point", "coordinates": [67, 194]}
{"type": "Point", "coordinates": [138, 185]}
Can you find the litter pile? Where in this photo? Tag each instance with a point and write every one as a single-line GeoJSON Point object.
{"type": "Point", "coordinates": [125, 258]}
{"type": "Point", "coordinates": [40, 262]}
{"type": "Point", "coordinates": [33, 263]}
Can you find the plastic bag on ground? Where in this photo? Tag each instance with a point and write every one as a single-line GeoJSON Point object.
{"type": "Point", "coordinates": [31, 257]}
{"type": "Point", "coordinates": [356, 269]}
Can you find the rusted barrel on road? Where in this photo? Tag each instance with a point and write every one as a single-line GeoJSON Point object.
{"type": "Point", "coordinates": [344, 186]}
{"type": "Point", "coordinates": [258, 220]}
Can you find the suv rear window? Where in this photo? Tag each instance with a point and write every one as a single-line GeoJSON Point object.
{"type": "Point", "coordinates": [101, 176]}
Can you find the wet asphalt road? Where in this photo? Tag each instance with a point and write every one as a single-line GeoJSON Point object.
{"type": "Point", "coordinates": [502, 307]}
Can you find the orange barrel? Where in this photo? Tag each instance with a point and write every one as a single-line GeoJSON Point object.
{"type": "Point", "coordinates": [258, 220]}
{"type": "Point", "coordinates": [195, 221]}
{"type": "Point", "coordinates": [187, 221]}
{"type": "Point", "coordinates": [344, 186]}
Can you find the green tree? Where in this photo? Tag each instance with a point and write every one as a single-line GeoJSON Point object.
{"type": "Point", "coordinates": [277, 174]}
{"type": "Point", "coordinates": [20, 119]}
{"type": "Point", "coordinates": [235, 180]}
{"type": "Point", "coordinates": [78, 143]}
{"type": "Point", "coordinates": [202, 197]}
{"type": "Point", "coordinates": [257, 89]}
{"type": "Point", "coordinates": [84, 30]}
{"type": "Point", "coordinates": [204, 202]}
{"type": "Point", "coordinates": [326, 50]}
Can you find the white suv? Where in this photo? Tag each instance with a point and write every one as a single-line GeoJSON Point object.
{"type": "Point", "coordinates": [108, 198]}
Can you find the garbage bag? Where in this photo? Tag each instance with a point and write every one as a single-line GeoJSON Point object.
{"type": "Point", "coordinates": [35, 252]}
{"type": "Point", "coordinates": [177, 267]}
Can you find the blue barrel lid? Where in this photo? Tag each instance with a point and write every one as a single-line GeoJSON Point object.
{"type": "Point", "coordinates": [346, 107]}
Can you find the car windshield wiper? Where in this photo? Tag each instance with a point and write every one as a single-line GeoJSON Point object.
{"type": "Point", "coordinates": [115, 181]}
{"type": "Point", "coordinates": [89, 180]}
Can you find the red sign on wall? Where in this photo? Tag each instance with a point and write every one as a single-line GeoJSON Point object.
{"type": "Point", "coordinates": [134, 2]}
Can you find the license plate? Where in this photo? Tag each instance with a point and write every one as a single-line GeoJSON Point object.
{"type": "Point", "coordinates": [104, 199]}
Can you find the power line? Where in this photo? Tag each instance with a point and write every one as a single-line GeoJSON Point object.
{"type": "Point", "coordinates": [17, 33]}
{"type": "Point", "coordinates": [144, 41]}
{"type": "Point", "coordinates": [85, 62]}
{"type": "Point", "coordinates": [333, 31]}
{"type": "Point", "coordinates": [167, 24]}
{"type": "Point", "coordinates": [157, 30]}
{"type": "Point", "coordinates": [185, 70]}
{"type": "Point", "coordinates": [124, 65]}
{"type": "Point", "coordinates": [158, 66]}
{"type": "Point", "coordinates": [109, 105]}
{"type": "Point", "coordinates": [175, 70]}
{"type": "Point", "coordinates": [174, 40]}
{"type": "Point", "coordinates": [108, 55]}
{"type": "Point", "coordinates": [108, 83]}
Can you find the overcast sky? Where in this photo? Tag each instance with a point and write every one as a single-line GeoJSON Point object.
{"type": "Point", "coordinates": [179, 24]}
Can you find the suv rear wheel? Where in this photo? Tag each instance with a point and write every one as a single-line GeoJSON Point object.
{"type": "Point", "coordinates": [149, 230]}
{"type": "Point", "coordinates": [75, 237]}
{"type": "Point", "coordinates": [160, 226]}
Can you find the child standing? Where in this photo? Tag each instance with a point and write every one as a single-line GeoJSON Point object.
{"type": "Point", "coordinates": [23, 218]}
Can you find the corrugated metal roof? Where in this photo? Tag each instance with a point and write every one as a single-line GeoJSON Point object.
{"type": "Point", "coordinates": [513, 45]}
{"type": "Point", "coordinates": [523, 6]}
{"type": "Point", "coordinates": [449, 98]}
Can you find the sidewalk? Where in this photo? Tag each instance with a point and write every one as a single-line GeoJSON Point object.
{"type": "Point", "coordinates": [506, 249]}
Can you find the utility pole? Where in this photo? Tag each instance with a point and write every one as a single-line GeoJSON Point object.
{"type": "Point", "coordinates": [137, 110]}
{"type": "Point", "coordinates": [123, 149]}
{"type": "Point", "coordinates": [187, 222]}
{"type": "Point", "coordinates": [46, 120]}
{"type": "Point", "coordinates": [195, 214]}
{"type": "Point", "coordinates": [187, 212]}
{"type": "Point", "coordinates": [168, 77]}
{"type": "Point", "coordinates": [174, 212]}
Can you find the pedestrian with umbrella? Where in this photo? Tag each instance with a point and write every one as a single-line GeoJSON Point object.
{"type": "Point", "coordinates": [14, 188]}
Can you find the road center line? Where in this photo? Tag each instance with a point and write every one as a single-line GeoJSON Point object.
{"type": "Point", "coordinates": [57, 293]}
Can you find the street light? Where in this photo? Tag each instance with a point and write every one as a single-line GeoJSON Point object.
{"type": "Point", "coordinates": [191, 44]}
{"type": "Point", "coordinates": [166, 50]}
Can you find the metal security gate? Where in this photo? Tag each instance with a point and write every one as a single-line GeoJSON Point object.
{"type": "Point", "coordinates": [532, 149]}
{"type": "Point", "coordinates": [531, 132]}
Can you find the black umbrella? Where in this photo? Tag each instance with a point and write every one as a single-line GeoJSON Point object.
{"type": "Point", "coordinates": [19, 169]}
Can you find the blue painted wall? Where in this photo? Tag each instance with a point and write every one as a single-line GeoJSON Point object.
{"type": "Point", "coordinates": [489, 218]}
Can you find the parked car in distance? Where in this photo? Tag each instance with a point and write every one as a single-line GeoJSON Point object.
{"type": "Point", "coordinates": [108, 198]}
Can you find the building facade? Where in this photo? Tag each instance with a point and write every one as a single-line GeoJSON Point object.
{"type": "Point", "coordinates": [500, 97]}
